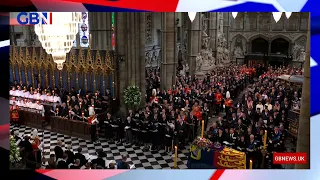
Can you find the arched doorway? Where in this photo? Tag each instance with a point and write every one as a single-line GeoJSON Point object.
{"type": "Point", "coordinates": [259, 45]}
{"type": "Point", "coordinates": [280, 46]}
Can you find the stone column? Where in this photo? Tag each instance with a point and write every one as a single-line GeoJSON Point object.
{"type": "Point", "coordinates": [194, 42]}
{"type": "Point", "coordinates": [130, 45]}
{"type": "Point", "coordinates": [168, 50]}
{"type": "Point", "coordinates": [141, 58]}
{"type": "Point", "coordinates": [121, 46]}
{"type": "Point", "coordinates": [213, 29]}
{"type": "Point", "coordinates": [100, 30]}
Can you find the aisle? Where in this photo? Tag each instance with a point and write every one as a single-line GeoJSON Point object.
{"type": "Point", "coordinates": [142, 159]}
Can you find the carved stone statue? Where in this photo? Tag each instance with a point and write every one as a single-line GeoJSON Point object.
{"type": "Point", "coordinates": [298, 53]}
{"type": "Point", "coordinates": [204, 27]}
{"type": "Point", "coordinates": [222, 51]}
{"type": "Point", "coordinates": [238, 53]}
{"type": "Point", "coordinates": [198, 62]}
{"type": "Point", "coordinates": [302, 55]}
{"type": "Point", "coordinates": [187, 68]}
{"type": "Point", "coordinates": [183, 71]}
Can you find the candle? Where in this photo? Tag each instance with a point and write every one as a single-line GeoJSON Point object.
{"type": "Point", "coordinates": [175, 156]}
{"type": "Point", "coordinates": [250, 167]}
{"type": "Point", "coordinates": [78, 95]}
{"type": "Point", "coordinates": [202, 129]}
{"type": "Point", "coordinates": [82, 114]}
{"type": "Point", "coordinates": [265, 139]}
{"type": "Point", "coordinates": [113, 89]}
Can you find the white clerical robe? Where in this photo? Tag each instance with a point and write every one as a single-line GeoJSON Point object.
{"type": "Point", "coordinates": [19, 93]}
{"type": "Point", "coordinates": [56, 99]}
{"type": "Point", "coordinates": [21, 104]}
{"type": "Point", "coordinates": [36, 96]}
{"type": "Point", "coordinates": [41, 109]}
{"type": "Point", "coordinates": [12, 92]}
{"type": "Point", "coordinates": [34, 105]}
{"type": "Point", "coordinates": [28, 104]}
{"type": "Point", "coordinates": [50, 98]}
{"type": "Point", "coordinates": [43, 97]}
{"type": "Point", "coordinates": [31, 96]}
{"type": "Point", "coordinates": [26, 94]}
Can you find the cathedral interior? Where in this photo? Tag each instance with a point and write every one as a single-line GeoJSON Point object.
{"type": "Point", "coordinates": [114, 50]}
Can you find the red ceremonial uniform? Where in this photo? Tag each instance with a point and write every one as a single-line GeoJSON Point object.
{"type": "Point", "coordinates": [187, 90]}
{"type": "Point", "coordinates": [14, 113]}
{"type": "Point", "coordinates": [219, 98]}
{"type": "Point", "coordinates": [154, 100]}
{"type": "Point", "coordinates": [197, 112]}
{"type": "Point", "coordinates": [228, 103]}
{"type": "Point", "coordinates": [35, 144]}
{"type": "Point", "coordinates": [90, 119]}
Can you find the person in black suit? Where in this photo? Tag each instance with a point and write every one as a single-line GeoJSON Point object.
{"type": "Point", "coordinates": [220, 137]}
{"type": "Point", "coordinates": [210, 100]}
{"type": "Point", "coordinates": [100, 161]}
{"type": "Point", "coordinates": [80, 156]}
{"type": "Point", "coordinates": [25, 148]}
{"type": "Point", "coordinates": [63, 111]}
{"type": "Point", "coordinates": [62, 162]}
{"type": "Point", "coordinates": [52, 164]}
{"type": "Point", "coordinates": [232, 136]}
{"type": "Point", "coordinates": [76, 164]}
{"type": "Point", "coordinates": [70, 154]}
{"type": "Point", "coordinates": [250, 113]}
{"type": "Point", "coordinates": [123, 164]}
{"type": "Point", "coordinates": [181, 131]}
{"type": "Point", "coordinates": [58, 150]}
{"type": "Point", "coordinates": [265, 114]}
{"type": "Point", "coordinates": [107, 126]}
{"type": "Point", "coordinates": [241, 144]}
{"type": "Point", "coordinates": [128, 130]}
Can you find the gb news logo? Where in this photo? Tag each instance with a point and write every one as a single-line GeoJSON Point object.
{"type": "Point", "coordinates": [33, 18]}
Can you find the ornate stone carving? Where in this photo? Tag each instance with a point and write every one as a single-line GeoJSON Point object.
{"type": "Point", "coordinates": [298, 53]}
{"type": "Point", "coordinates": [264, 21]}
{"type": "Point", "coordinates": [238, 47]}
{"type": "Point", "coordinates": [149, 32]}
{"type": "Point", "coordinates": [152, 58]}
{"type": "Point", "coordinates": [184, 70]}
{"type": "Point", "coordinates": [204, 24]}
{"type": "Point", "coordinates": [298, 50]}
{"type": "Point", "coordinates": [205, 61]}
{"type": "Point", "coordinates": [222, 51]}
{"type": "Point", "coordinates": [268, 35]}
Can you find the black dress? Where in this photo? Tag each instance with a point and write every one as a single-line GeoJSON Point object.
{"type": "Point", "coordinates": [107, 128]}
{"type": "Point", "coordinates": [168, 136]}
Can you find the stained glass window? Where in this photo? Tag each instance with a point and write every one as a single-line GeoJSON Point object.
{"type": "Point", "coordinates": [84, 36]}
{"type": "Point", "coordinates": [113, 31]}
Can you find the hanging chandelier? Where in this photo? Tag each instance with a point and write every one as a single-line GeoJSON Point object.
{"type": "Point", "coordinates": [277, 15]}
{"type": "Point", "coordinates": [234, 14]}
{"type": "Point", "coordinates": [192, 15]}
{"type": "Point", "coordinates": [57, 38]}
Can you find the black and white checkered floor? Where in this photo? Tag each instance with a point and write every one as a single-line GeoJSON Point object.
{"type": "Point", "coordinates": [141, 158]}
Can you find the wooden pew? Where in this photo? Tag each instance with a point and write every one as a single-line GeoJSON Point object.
{"type": "Point", "coordinates": [31, 119]}
{"type": "Point", "coordinates": [69, 127]}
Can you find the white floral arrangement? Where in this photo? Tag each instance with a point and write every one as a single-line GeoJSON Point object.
{"type": "Point", "coordinates": [132, 96]}
{"type": "Point", "coordinates": [14, 151]}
